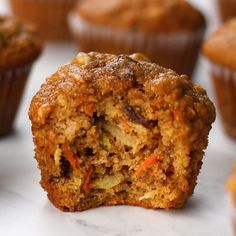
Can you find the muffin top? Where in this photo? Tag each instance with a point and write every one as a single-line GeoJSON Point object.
{"type": "Point", "coordinates": [149, 16]}
{"type": "Point", "coordinates": [91, 78]}
{"type": "Point", "coordinates": [19, 43]}
{"type": "Point", "coordinates": [220, 48]}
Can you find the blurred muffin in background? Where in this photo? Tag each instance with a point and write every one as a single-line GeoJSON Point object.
{"type": "Point", "coordinates": [227, 9]}
{"type": "Point", "coordinates": [20, 45]}
{"type": "Point", "coordinates": [169, 32]}
{"type": "Point", "coordinates": [50, 16]}
{"type": "Point", "coordinates": [220, 49]}
{"type": "Point", "coordinates": [231, 186]}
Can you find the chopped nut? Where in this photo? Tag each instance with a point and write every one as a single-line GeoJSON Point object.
{"type": "Point", "coordinates": [82, 59]}
{"type": "Point", "coordinates": [107, 182]}
{"type": "Point", "coordinates": [106, 142]}
{"type": "Point", "coordinates": [139, 57]}
{"type": "Point", "coordinates": [61, 101]}
{"type": "Point", "coordinates": [148, 195]}
{"type": "Point", "coordinates": [43, 113]}
{"type": "Point", "coordinates": [57, 156]}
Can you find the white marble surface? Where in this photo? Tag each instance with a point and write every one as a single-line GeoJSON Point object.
{"type": "Point", "coordinates": [25, 210]}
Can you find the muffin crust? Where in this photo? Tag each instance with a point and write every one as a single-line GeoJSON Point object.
{"type": "Point", "coordinates": [220, 48]}
{"type": "Point", "coordinates": [114, 130]}
{"type": "Point", "coordinates": [19, 43]}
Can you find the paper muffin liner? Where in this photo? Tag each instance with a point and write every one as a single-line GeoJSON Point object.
{"type": "Point", "coordinates": [178, 51]}
{"type": "Point", "coordinates": [12, 83]}
{"type": "Point", "coordinates": [227, 9]}
{"type": "Point", "coordinates": [50, 16]}
{"type": "Point", "coordinates": [224, 81]}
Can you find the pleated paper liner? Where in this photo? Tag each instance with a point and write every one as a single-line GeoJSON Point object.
{"type": "Point", "coordinates": [224, 81]}
{"type": "Point", "coordinates": [12, 84]}
{"type": "Point", "coordinates": [178, 51]}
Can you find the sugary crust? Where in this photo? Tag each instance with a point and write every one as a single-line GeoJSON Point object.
{"type": "Point", "coordinates": [183, 110]}
{"type": "Point", "coordinates": [220, 48]}
{"type": "Point", "coordinates": [19, 43]}
{"type": "Point", "coordinates": [89, 78]}
{"type": "Point", "coordinates": [150, 16]}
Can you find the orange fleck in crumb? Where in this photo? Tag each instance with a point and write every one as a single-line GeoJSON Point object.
{"type": "Point", "coordinates": [69, 155]}
{"type": "Point", "coordinates": [146, 164]}
{"type": "Point", "coordinates": [88, 110]}
{"type": "Point", "coordinates": [87, 185]}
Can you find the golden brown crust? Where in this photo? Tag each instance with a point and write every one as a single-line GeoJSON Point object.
{"type": "Point", "coordinates": [220, 48]}
{"type": "Point", "coordinates": [150, 16]}
{"type": "Point", "coordinates": [19, 43]}
{"type": "Point", "coordinates": [89, 108]}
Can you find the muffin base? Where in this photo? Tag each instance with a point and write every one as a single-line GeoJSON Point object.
{"type": "Point", "coordinates": [12, 84]}
{"type": "Point", "coordinates": [178, 51]}
{"type": "Point", "coordinates": [224, 81]}
{"type": "Point", "coordinates": [49, 16]}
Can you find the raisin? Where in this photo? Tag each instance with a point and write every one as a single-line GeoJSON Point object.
{"type": "Point", "coordinates": [170, 171]}
{"type": "Point", "coordinates": [88, 152]}
{"type": "Point", "coordinates": [134, 115]}
{"type": "Point", "coordinates": [65, 167]}
{"type": "Point", "coordinates": [111, 154]}
{"type": "Point", "coordinates": [127, 148]}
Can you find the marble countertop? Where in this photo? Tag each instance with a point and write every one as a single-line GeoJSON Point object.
{"type": "Point", "coordinates": [25, 209]}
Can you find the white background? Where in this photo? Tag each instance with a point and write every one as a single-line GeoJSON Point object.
{"type": "Point", "coordinates": [25, 210]}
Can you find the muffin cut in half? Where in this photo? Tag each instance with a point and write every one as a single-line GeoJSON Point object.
{"type": "Point", "coordinates": [114, 130]}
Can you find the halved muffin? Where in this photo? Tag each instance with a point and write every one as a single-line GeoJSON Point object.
{"type": "Point", "coordinates": [114, 130]}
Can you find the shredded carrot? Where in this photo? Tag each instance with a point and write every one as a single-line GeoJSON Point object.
{"type": "Point", "coordinates": [146, 164]}
{"type": "Point", "coordinates": [69, 155]}
{"type": "Point", "coordinates": [87, 185]}
{"type": "Point", "coordinates": [89, 109]}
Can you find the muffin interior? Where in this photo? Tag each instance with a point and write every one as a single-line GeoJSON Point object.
{"type": "Point", "coordinates": [122, 155]}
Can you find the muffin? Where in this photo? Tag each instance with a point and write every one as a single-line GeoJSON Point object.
{"type": "Point", "coordinates": [169, 32]}
{"type": "Point", "coordinates": [220, 49]}
{"type": "Point", "coordinates": [112, 130]}
{"type": "Point", "coordinates": [50, 16]}
{"type": "Point", "coordinates": [231, 185]}
{"type": "Point", "coordinates": [20, 46]}
{"type": "Point", "coordinates": [227, 9]}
